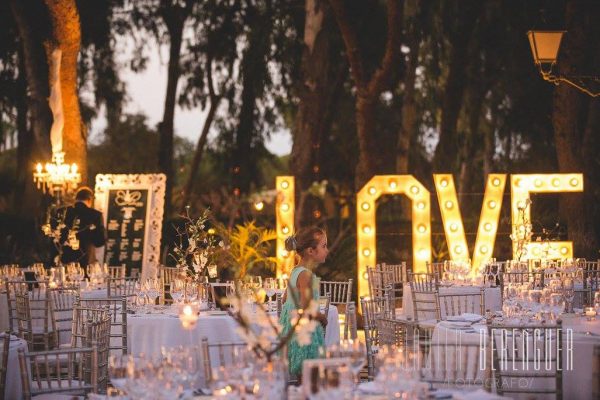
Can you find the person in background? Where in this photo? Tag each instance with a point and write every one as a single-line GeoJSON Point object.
{"type": "Point", "coordinates": [90, 229]}
{"type": "Point", "coordinates": [310, 245]}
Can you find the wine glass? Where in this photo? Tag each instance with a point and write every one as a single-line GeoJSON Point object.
{"type": "Point", "coordinates": [177, 290]}
{"type": "Point", "coordinates": [356, 351]}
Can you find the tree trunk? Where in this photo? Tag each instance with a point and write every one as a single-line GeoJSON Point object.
{"type": "Point", "coordinates": [368, 89]}
{"type": "Point", "coordinates": [570, 131]}
{"type": "Point", "coordinates": [67, 36]}
{"type": "Point", "coordinates": [446, 149]}
{"type": "Point", "coordinates": [174, 18]}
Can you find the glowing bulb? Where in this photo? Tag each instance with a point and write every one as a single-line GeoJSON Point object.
{"type": "Point", "coordinates": [365, 276]}
{"type": "Point", "coordinates": [414, 190]}
{"type": "Point", "coordinates": [187, 310]}
{"type": "Point", "coordinates": [449, 205]}
{"type": "Point", "coordinates": [444, 182]}
{"type": "Point", "coordinates": [458, 249]}
{"type": "Point", "coordinates": [564, 250]}
{"type": "Point", "coordinates": [366, 229]}
{"type": "Point", "coordinates": [487, 226]}
{"type": "Point", "coordinates": [483, 249]}
{"type": "Point", "coordinates": [393, 185]}
{"type": "Point", "coordinates": [285, 230]}
{"type": "Point", "coordinates": [574, 182]}
{"type": "Point", "coordinates": [211, 231]}
{"type": "Point", "coordinates": [285, 207]}
{"type": "Point", "coordinates": [285, 253]}
{"type": "Point", "coordinates": [555, 182]}
{"type": "Point", "coordinates": [366, 252]}
{"type": "Point", "coordinates": [372, 190]}
{"type": "Point", "coordinates": [422, 253]}
{"type": "Point", "coordinates": [421, 205]}
{"type": "Point", "coordinates": [259, 205]}
{"type": "Point", "coordinates": [491, 204]}
{"type": "Point", "coordinates": [538, 183]}
{"type": "Point", "coordinates": [285, 184]}
{"type": "Point", "coordinates": [496, 182]}
{"type": "Point", "coordinates": [453, 227]}
{"type": "Point", "coordinates": [536, 251]}
{"type": "Point", "coordinates": [421, 228]}
{"type": "Point", "coordinates": [365, 206]}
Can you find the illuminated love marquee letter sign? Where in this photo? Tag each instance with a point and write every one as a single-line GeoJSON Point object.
{"type": "Point", "coordinates": [284, 211]}
{"type": "Point", "coordinates": [521, 186]}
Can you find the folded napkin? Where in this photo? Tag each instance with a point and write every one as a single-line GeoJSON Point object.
{"type": "Point", "coordinates": [465, 317]}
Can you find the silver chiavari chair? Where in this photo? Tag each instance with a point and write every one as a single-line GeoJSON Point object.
{"type": "Point", "coordinates": [39, 368]}
{"type": "Point", "coordinates": [340, 295]}
{"type": "Point", "coordinates": [167, 275]}
{"type": "Point", "coordinates": [121, 287]}
{"type": "Point", "coordinates": [453, 304]}
{"type": "Point", "coordinates": [117, 271]}
{"type": "Point", "coordinates": [425, 288]}
{"type": "Point", "coordinates": [61, 309]}
{"type": "Point", "coordinates": [522, 347]}
{"type": "Point", "coordinates": [372, 309]}
{"type": "Point", "coordinates": [34, 320]}
{"type": "Point", "coordinates": [13, 287]}
{"type": "Point", "coordinates": [117, 307]}
{"type": "Point", "coordinates": [221, 355]}
{"type": "Point", "coordinates": [375, 278]}
{"type": "Point", "coordinates": [395, 275]}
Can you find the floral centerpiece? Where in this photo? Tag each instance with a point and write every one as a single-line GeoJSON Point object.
{"type": "Point", "coordinates": [55, 227]}
{"type": "Point", "coordinates": [199, 247]}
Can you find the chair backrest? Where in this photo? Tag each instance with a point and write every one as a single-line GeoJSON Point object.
{"type": "Point", "coordinates": [13, 287]}
{"type": "Point", "coordinates": [34, 320]}
{"type": "Point", "coordinates": [452, 304]}
{"type": "Point", "coordinates": [376, 279]}
{"type": "Point", "coordinates": [166, 275]}
{"type": "Point", "coordinates": [523, 348]}
{"type": "Point", "coordinates": [61, 308]}
{"type": "Point", "coordinates": [398, 273]}
{"type": "Point", "coordinates": [436, 268]}
{"type": "Point", "coordinates": [117, 271]}
{"type": "Point", "coordinates": [220, 287]}
{"type": "Point", "coordinates": [340, 292]}
{"type": "Point", "coordinates": [221, 355]}
{"type": "Point", "coordinates": [98, 333]}
{"type": "Point", "coordinates": [62, 368]}
{"type": "Point", "coordinates": [117, 307]}
{"type": "Point", "coordinates": [4, 347]}
{"type": "Point", "coordinates": [425, 289]}
{"type": "Point", "coordinates": [392, 332]}
{"type": "Point", "coordinates": [82, 316]}
{"type": "Point", "coordinates": [121, 286]}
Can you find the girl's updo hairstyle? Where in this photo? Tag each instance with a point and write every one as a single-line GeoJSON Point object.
{"type": "Point", "coordinates": [306, 238]}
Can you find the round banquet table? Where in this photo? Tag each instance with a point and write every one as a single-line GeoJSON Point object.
{"type": "Point", "coordinates": [577, 367]}
{"type": "Point", "coordinates": [13, 389]}
{"type": "Point", "coordinates": [147, 333]}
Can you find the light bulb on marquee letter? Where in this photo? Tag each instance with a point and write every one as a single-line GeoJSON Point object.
{"type": "Point", "coordinates": [366, 225]}
{"type": "Point", "coordinates": [488, 220]}
{"type": "Point", "coordinates": [521, 186]}
{"type": "Point", "coordinates": [284, 212]}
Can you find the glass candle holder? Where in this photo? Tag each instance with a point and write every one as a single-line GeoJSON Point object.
{"type": "Point", "coordinates": [590, 313]}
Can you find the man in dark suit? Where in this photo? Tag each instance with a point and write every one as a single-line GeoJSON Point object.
{"type": "Point", "coordinates": [90, 229]}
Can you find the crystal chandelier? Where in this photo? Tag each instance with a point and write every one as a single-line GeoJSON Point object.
{"type": "Point", "coordinates": [57, 177]}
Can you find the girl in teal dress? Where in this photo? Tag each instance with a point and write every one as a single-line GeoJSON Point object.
{"type": "Point", "coordinates": [310, 245]}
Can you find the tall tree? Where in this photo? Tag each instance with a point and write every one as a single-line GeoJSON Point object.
{"type": "Point", "coordinates": [576, 119]}
{"type": "Point", "coordinates": [66, 35]}
{"type": "Point", "coordinates": [368, 88]}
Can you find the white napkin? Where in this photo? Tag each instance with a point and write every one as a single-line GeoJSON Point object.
{"type": "Point", "coordinates": [466, 317]}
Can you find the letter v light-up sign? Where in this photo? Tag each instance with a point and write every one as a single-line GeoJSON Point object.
{"type": "Point", "coordinates": [366, 227]}
{"type": "Point", "coordinates": [520, 187]}
{"type": "Point", "coordinates": [453, 224]}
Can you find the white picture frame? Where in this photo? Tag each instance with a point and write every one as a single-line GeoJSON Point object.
{"type": "Point", "coordinates": [155, 184]}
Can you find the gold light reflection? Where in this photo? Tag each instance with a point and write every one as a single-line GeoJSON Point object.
{"type": "Point", "coordinates": [488, 220]}
{"type": "Point", "coordinates": [524, 184]}
{"type": "Point", "coordinates": [366, 225]}
{"type": "Point", "coordinates": [284, 214]}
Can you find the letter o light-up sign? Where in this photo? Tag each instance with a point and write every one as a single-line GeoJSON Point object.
{"type": "Point", "coordinates": [366, 224]}
{"type": "Point", "coordinates": [520, 187]}
{"type": "Point", "coordinates": [284, 210]}
{"type": "Point", "coordinates": [488, 220]}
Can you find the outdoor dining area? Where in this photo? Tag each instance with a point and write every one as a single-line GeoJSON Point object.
{"type": "Point", "coordinates": [515, 330]}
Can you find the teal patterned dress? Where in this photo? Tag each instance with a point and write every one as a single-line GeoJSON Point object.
{"type": "Point", "coordinates": [297, 353]}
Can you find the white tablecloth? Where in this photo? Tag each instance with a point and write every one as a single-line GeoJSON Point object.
{"type": "Point", "coordinates": [13, 388]}
{"type": "Point", "coordinates": [146, 333]}
{"type": "Point", "coordinates": [493, 300]}
{"type": "Point", "coordinates": [577, 381]}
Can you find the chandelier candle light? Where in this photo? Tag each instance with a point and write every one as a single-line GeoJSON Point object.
{"type": "Point", "coordinates": [56, 177]}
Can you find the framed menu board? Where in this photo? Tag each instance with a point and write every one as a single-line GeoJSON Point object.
{"type": "Point", "coordinates": [133, 208]}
